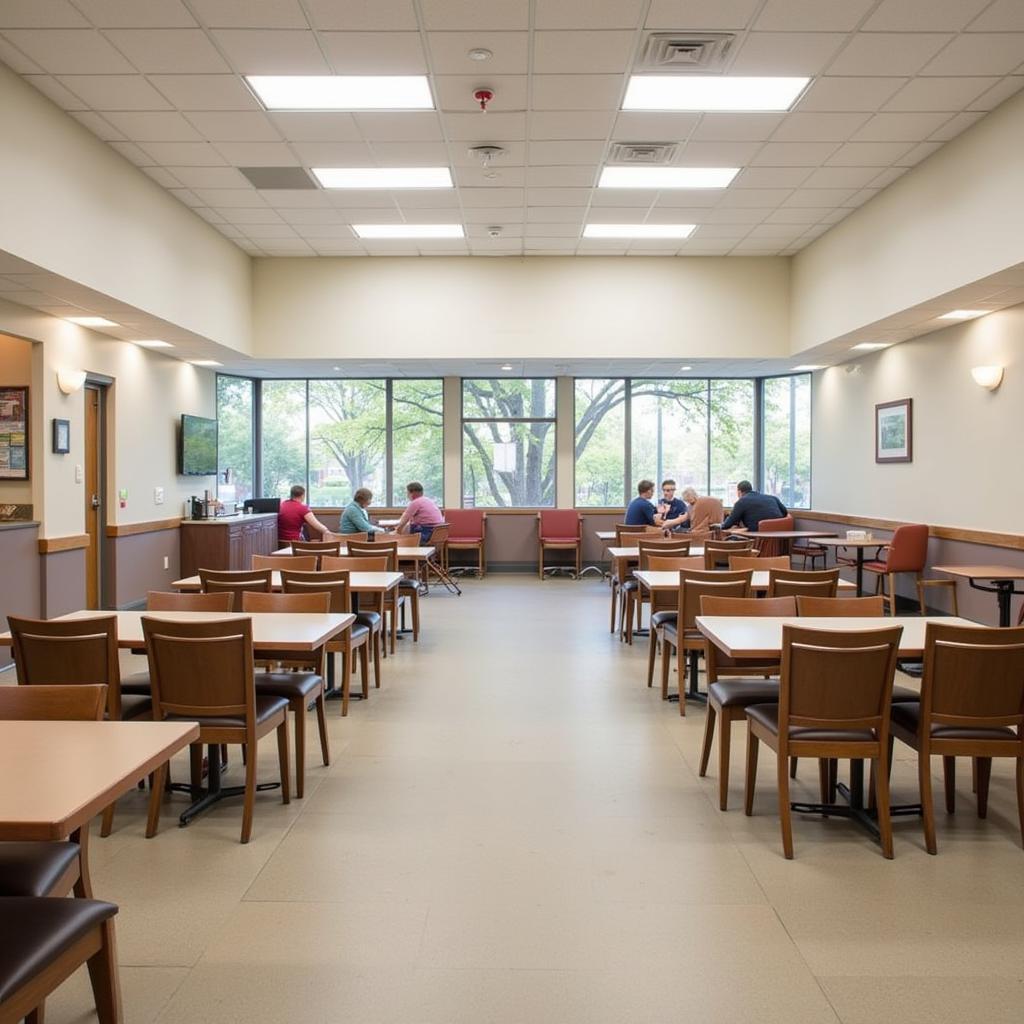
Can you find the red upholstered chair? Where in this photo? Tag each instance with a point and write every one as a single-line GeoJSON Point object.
{"type": "Point", "coordinates": [773, 548]}
{"type": "Point", "coordinates": [907, 552]}
{"type": "Point", "coordinates": [468, 533]}
{"type": "Point", "coordinates": [559, 529]}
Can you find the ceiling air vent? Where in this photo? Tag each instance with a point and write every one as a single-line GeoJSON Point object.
{"type": "Point", "coordinates": [673, 51]}
{"type": "Point", "coordinates": [642, 152]}
{"type": "Point", "coordinates": [278, 177]}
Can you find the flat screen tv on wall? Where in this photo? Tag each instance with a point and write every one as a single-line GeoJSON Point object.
{"type": "Point", "coordinates": [197, 448]}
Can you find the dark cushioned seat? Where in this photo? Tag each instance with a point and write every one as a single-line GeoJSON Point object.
{"type": "Point", "coordinates": [738, 693]}
{"type": "Point", "coordinates": [372, 620]}
{"type": "Point", "coordinates": [660, 618]}
{"type": "Point", "coordinates": [290, 685]}
{"type": "Point", "coordinates": [407, 584]}
{"type": "Point", "coordinates": [768, 716]}
{"type": "Point", "coordinates": [136, 684]}
{"type": "Point", "coordinates": [357, 630]}
{"type": "Point", "coordinates": [629, 584]}
{"type": "Point", "coordinates": [909, 717]}
{"type": "Point", "coordinates": [136, 706]}
{"type": "Point", "coordinates": [38, 930]}
{"type": "Point", "coordinates": [266, 707]}
{"type": "Point", "coordinates": [33, 869]}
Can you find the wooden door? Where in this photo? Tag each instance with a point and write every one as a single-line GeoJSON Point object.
{"type": "Point", "coordinates": [93, 493]}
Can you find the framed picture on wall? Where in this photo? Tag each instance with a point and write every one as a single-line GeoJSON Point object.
{"type": "Point", "coordinates": [13, 433]}
{"type": "Point", "coordinates": [894, 431]}
{"type": "Point", "coordinates": [61, 437]}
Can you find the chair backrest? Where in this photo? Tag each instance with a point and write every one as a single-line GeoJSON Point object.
{"type": "Point", "coordinates": [844, 607]}
{"type": "Point", "coordinates": [717, 554]}
{"type": "Point", "coordinates": [301, 563]}
{"type": "Point", "coordinates": [375, 549]}
{"type": "Point", "coordinates": [83, 703]}
{"type": "Point", "coordinates": [310, 603]}
{"type": "Point", "coordinates": [743, 562]}
{"type": "Point", "coordinates": [334, 583]}
{"type": "Point", "coordinates": [785, 582]}
{"type": "Point", "coordinates": [695, 584]}
{"type": "Point", "coordinates": [404, 540]}
{"type": "Point", "coordinates": [316, 547]}
{"type": "Point", "coordinates": [973, 677]}
{"type": "Point", "coordinates": [439, 536]}
{"type": "Point", "coordinates": [202, 669]}
{"type": "Point", "coordinates": [213, 581]}
{"type": "Point", "coordinates": [837, 679]}
{"type": "Point", "coordinates": [781, 525]}
{"type": "Point", "coordinates": [559, 522]}
{"type": "Point", "coordinates": [158, 601]}
{"type": "Point", "coordinates": [908, 549]}
{"type": "Point", "coordinates": [661, 546]}
{"type": "Point", "coordinates": [750, 606]}
{"type": "Point", "coordinates": [466, 523]}
{"type": "Point", "coordinates": [358, 563]}
{"type": "Point", "coordinates": [673, 563]}
{"type": "Point", "coordinates": [706, 512]}
{"type": "Point", "coordinates": [344, 538]}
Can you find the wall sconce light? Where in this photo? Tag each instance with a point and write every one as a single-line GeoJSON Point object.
{"type": "Point", "coordinates": [70, 381]}
{"type": "Point", "coordinates": [987, 376]}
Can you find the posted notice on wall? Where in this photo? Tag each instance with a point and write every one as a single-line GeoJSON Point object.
{"type": "Point", "coordinates": [13, 433]}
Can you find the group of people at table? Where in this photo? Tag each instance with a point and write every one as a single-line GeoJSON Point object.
{"type": "Point", "coordinates": [692, 513]}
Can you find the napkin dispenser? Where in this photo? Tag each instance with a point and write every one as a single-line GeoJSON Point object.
{"type": "Point", "coordinates": [856, 534]}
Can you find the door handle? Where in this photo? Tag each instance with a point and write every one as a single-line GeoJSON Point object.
{"type": "Point", "coordinates": [95, 503]}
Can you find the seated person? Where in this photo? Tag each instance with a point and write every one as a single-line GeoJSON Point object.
{"type": "Point", "coordinates": [704, 512]}
{"type": "Point", "coordinates": [751, 507]}
{"type": "Point", "coordinates": [294, 515]}
{"type": "Point", "coordinates": [641, 510]}
{"type": "Point", "coordinates": [674, 511]}
{"type": "Point", "coordinates": [354, 519]}
{"type": "Point", "coordinates": [421, 515]}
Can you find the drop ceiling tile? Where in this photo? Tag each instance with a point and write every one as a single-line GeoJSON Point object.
{"type": "Point", "coordinates": [53, 90]}
{"type": "Point", "coordinates": [636, 197]}
{"type": "Point", "coordinates": [287, 199]}
{"type": "Point", "coordinates": [40, 14]}
{"type": "Point", "coordinates": [481, 198]}
{"type": "Point", "coordinates": [70, 51]}
{"type": "Point", "coordinates": [716, 154]}
{"type": "Point", "coordinates": [455, 92]}
{"type": "Point", "coordinates": [999, 93]}
{"type": "Point", "coordinates": [861, 197]}
{"type": "Point", "coordinates": [811, 15]}
{"type": "Point", "coordinates": [820, 197]}
{"type": "Point", "coordinates": [555, 214]}
{"type": "Point", "coordinates": [716, 15]}
{"type": "Point", "coordinates": [979, 54]}
{"type": "Point", "coordinates": [233, 126]}
{"type": "Point", "coordinates": [795, 215]}
{"type": "Point", "coordinates": [917, 153]}
{"type": "Point", "coordinates": [819, 126]}
{"type": "Point", "coordinates": [735, 127]}
{"type": "Point", "coordinates": [186, 196]}
{"type": "Point", "coordinates": [955, 125]}
{"type": "Point", "coordinates": [867, 154]}
{"type": "Point", "coordinates": [776, 232]}
{"type": "Point", "coordinates": [162, 177]}
{"type": "Point", "coordinates": [276, 245]}
{"type": "Point", "coordinates": [726, 232]}
{"type": "Point", "coordinates": [754, 197]}
{"type": "Point", "coordinates": [341, 232]}
{"type": "Point", "coordinates": [770, 177]}
{"type": "Point", "coordinates": [355, 199]}
{"type": "Point", "coordinates": [588, 14]}
{"type": "Point", "coordinates": [317, 127]}
{"type": "Point", "coordinates": [479, 127]}
{"type": "Point", "coordinates": [209, 177]}
{"type": "Point", "coordinates": [557, 196]}
{"type": "Point", "coordinates": [840, 177]}
{"type": "Point", "coordinates": [492, 177]}
{"type": "Point", "coordinates": [271, 231]}
{"type": "Point", "coordinates": [514, 155]}
{"type": "Point", "coordinates": [575, 152]}
{"type": "Point", "coordinates": [168, 50]}
{"type": "Point", "coordinates": [98, 125]}
{"type": "Point", "coordinates": [836, 216]}
{"type": "Point", "coordinates": [250, 14]}
{"type": "Point", "coordinates": [582, 52]}
{"type": "Point", "coordinates": [184, 154]}
{"type": "Point", "coordinates": [641, 127]}
{"type": "Point", "coordinates": [374, 53]}
{"type": "Point", "coordinates": [842, 93]}
{"type": "Point", "coordinates": [571, 124]}
{"type": "Point", "coordinates": [923, 94]}
{"type": "Point", "coordinates": [333, 154]}
{"type": "Point", "coordinates": [886, 177]}
{"type": "Point", "coordinates": [115, 92]}
{"type": "Point", "coordinates": [912, 15]}
{"type": "Point", "coordinates": [471, 14]}
{"type": "Point", "coordinates": [269, 52]}
{"type": "Point", "coordinates": [302, 218]}
{"type": "Point", "coordinates": [242, 215]}
{"type": "Point", "coordinates": [449, 53]}
{"type": "Point", "coordinates": [153, 126]}
{"type": "Point", "coordinates": [888, 53]}
{"type": "Point", "coordinates": [582, 176]}
{"type": "Point", "coordinates": [786, 53]}
{"type": "Point", "coordinates": [624, 215]}
{"type": "Point", "coordinates": [485, 215]}
{"type": "Point", "coordinates": [410, 154]}
{"type": "Point", "coordinates": [257, 154]}
{"type": "Point", "coordinates": [205, 92]}
{"type": "Point", "coordinates": [417, 198]}
{"type": "Point", "coordinates": [363, 15]}
{"type": "Point", "coordinates": [16, 60]}
{"type": "Point", "coordinates": [577, 92]}
{"type": "Point", "coordinates": [1002, 16]}
{"type": "Point", "coordinates": [137, 155]}
{"type": "Point", "coordinates": [476, 232]}
{"type": "Point", "coordinates": [400, 127]}
{"type": "Point", "coordinates": [674, 197]}
{"type": "Point", "coordinates": [893, 127]}
{"type": "Point", "coordinates": [794, 154]}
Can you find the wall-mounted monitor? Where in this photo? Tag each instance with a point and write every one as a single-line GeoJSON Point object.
{"type": "Point", "coordinates": [197, 448]}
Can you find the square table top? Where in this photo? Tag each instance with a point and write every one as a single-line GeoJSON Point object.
{"type": "Point", "coordinates": [614, 552]}
{"type": "Point", "coordinates": [982, 572]}
{"type": "Point", "coordinates": [780, 534]}
{"type": "Point", "coordinates": [742, 636]}
{"type": "Point", "coordinates": [359, 582]}
{"type": "Point", "coordinates": [404, 554]}
{"type": "Point", "coordinates": [667, 579]}
{"type": "Point", "coordinates": [56, 776]}
{"type": "Point", "coordinates": [842, 542]}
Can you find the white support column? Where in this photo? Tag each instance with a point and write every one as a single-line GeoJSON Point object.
{"type": "Point", "coordinates": [452, 442]}
{"type": "Point", "coordinates": [565, 430]}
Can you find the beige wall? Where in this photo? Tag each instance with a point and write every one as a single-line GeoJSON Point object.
{"type": "Point", "coordinates": [540, 307]}
{"type": "Point", "coordinates": [71, 204]}
{"type": "Point", "coordinates": [965, 470]}
{"type": "Point", "coordinates": [146, 400]}
{"type": "Point", "coordinates": [15, 370]}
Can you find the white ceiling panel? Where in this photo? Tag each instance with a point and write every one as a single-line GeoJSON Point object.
{"type": "Point", "coordinates": [169, 51]}
{"type": "Point", "coordinates": [793, 154]}
{"type": "Point", "coordinates": [233, 126]}
{"type": "Point", "coordinates": [267, 52]}
{"type": "Point", "coordinates": [733, 127]}
{"type": "Point", "coordinates": [923, 94]}
{"type": "Point", "coordinates": [257, 154]}
{"type": "Point", "coordinates": [40, 14]}
{"type": "Point", "coordinates": [52, 89]}
{"type": "Point", "coordinates": [455, 92]}
{"type": "Point", "coordinates": [470, 14]}
{"type": "Point", "coordinates": [867, 154]}
{"type": "Point", "coordinates": [136, 13]}
{"type": "Point", "coordinates": [893, 127]}
{"type": "Point", "coordinates": [980, 54]}
{"type": "Point", "coordinates": [631, 126]}
{"type": "Point", "coordinates": [317, 127]}
{"type": "Point", "coordinates": [786, 53]}
{"type": "Point", "coordinates": [399, 127]}
{"type": "Point", "coordinates": [717, 15]}
{"type": "Point", "coordinates": [912, 15]}
{"type": "Point", "coordinates": [184, 154]}
{"type": "Point", "coordinates": [449, 53]}
{"type": "Point", "coordinates": [153, 126]}
{"type": "Point", "coordinates": [491, 177]}
{"type": "Point", "coordinates": [115, 92]}
{"type": "Point", "coordinates": [819, 127]}
{"type": "Point", "coordinates": [209, 177]}
{"type": "Point", "coordinates": [70, 51]}
{"type": "Point", "coordinates": [577, 92]}
{"type": "Point", "coordinates": [812, 15]}
{"type": "Point", "coordinates": [841, 93]}
{"type": "Point", "coordinates": [17, 60]}
{"type": "Point", "coordinates": [363, 15]}
{"type": "Point", "coordinates": [475, 128]}
{"type": "Point", "coordinates": [1001, 16]}
{"type": "Point", "coordinates": [588, 14]}
{"type": "Point", "coordinates": [569, 176]}
{"type": "Point", "coordinates": [205, 92]}
{"type": "Point", "coordinates": [99, 126]}
{"type": "Point", "coordinates": [770, 177]}
{"type": "Point", "coordinates": [374, 53]}
{"type": "Point", "coordinates": [582, 52]}
{"type": "Point", "coordinates": [250, 13]}
{"type": "Point", "coordinates": [888, 53]}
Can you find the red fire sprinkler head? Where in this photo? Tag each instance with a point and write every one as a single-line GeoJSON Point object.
{"type": "Point", "coordinates": [483, 97]}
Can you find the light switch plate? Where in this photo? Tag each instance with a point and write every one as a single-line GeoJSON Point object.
{"type": "Point", "coordinates": [158, 495]}
{"type": "Point", "coordinates": [78, 474]}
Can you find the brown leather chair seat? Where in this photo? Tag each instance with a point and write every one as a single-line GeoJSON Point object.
{"type": "Point", "coordinates": [266, 707]}
{"type": "Point", "coordinates": [661, 618]}
{"type": "Point", "coordinates": [137, 684]}
{"type": "Point", "coordinates": [37, 930]}
{"type": "Point", "coordinates": [372, 620]}
{"type": "Point", "coordinates": [405, 583]}
{"type": "Point", "coordinates": [33, 869]}
{"type": "Point", "coordinates": [738, 693]}
{"type": "Point", "coordinates": [909, 716]}
{"type": "Point", "coordinates": [286, 684]}
{"type": "Point", "coordinates": [357, 630]}
{"type": "Point", "coordinates": [768, 716]}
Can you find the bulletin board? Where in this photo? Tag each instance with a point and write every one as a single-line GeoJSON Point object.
{"type": "Point", "coordinates": [13, 433]}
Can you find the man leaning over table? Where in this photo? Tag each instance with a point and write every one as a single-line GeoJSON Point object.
{"type": "Point", "coordinates": [752, 507]}
{"type": "Point", "coordinates": [421, 515]}
{"type": "Point", "coordinates": [641, 510]}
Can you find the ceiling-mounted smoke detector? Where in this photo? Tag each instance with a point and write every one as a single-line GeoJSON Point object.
{"type": "Point", "coordinates": [487, 154]}
{"type": "Point", "coordinates": [691, 51]}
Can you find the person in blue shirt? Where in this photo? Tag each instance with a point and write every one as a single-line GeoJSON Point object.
{"type": "Point", "coordinates": [641, 510]}
{"type": "Point", "coordinates": [752, 507]}
{"type": "Point", "coordinates": [673, 511]}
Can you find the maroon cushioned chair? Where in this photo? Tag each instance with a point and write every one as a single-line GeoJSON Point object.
{"type": "Point", "coordinates": [907, 552]}
{"type": "Point", "coordinates": [558, 529]}
{"type": "Point", "coordinates": [468, 533]}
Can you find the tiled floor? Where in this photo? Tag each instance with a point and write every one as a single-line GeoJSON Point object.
{"type": "Point", "coordinates": [513, 830]}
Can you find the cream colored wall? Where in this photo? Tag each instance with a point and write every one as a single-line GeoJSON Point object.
{"type": "Point", "coordinates": [146, 400]}
{"type": "Point", "coordinates": [954, 219]}
{"type": "Point", "coordinates": [966, 467]}
{"type": "Point", "coordinates": [71, 204]}
{"type": "Point", "coordinates": [540, 307]}
{"type": "Point", "coordinates": [15, 371]}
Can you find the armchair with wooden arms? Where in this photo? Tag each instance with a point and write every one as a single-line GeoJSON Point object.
{"type": "Point", "coordinates": [559, 529]}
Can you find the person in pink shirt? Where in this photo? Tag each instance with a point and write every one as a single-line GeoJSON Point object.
{"type": "Point", "coordinates": [421, 514]}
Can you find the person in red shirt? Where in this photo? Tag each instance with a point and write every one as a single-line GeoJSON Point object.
{"type": "Point", "coordinates": [295, 514]}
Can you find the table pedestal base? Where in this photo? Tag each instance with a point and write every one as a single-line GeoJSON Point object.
{"type": "Point", "coordinates": [214, 792]}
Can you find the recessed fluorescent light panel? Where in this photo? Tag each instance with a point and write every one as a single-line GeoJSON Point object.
{"type": "Point", "coordinates": [206, 362]}
{"type": "Point", "coordinates": [870, 346]}
{"type": "Point", "coordinates": [154, 343]}
{"type": "Point", "coordinates": [807, 367]}
{"type": "Point", "coordinates": [964, 314]}
{"type": "Point", "coordinates": [638, 230]}
{"type": "Point", "coordinates": [711, 93]}
{"type": "Point", "coordinates": [667, 177]}
{"type": "Point", "coordinates": [91, 321]}
{"type": "Point", "coordinates": [409, 230]}
{"type": "Point", "coordinates": [342, 92]}
{"type": "Point", "coordinates": [384, 177]}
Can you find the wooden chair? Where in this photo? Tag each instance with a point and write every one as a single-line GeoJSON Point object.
{"type": "Point", "coordinates": [807, 549]}
{"type": "Point", "coordinates": [299, 563]}
{"type": "Point", "coordinates": [468, 533]}
{"type": "Point", "coordinates": [559, 529]}
{"type": "Point", "coordinates": [834, 607]}
{"type": "Point", "coordinates": [793, 583]}
{"type": "Point", "coordinates": [718, 552]}
{"type": "Point", "coordinates": [236, 582]}
{"type": "Point", "coordinates": [44, 942]}
{"type": "Point", "coordinates": [204, 672]}
{"type": "Point", "coordinates": [632, 596]}
{"type": "Point", "coordinates": [682, 636]}
{"type": "Point", "coordinates": [835, 693]}
{"type": "Point", "coordinates": [622, 529]}
{"type": "Point", "coordinates": [318, 548]}
{"type": "Point", "coordinates": [728, 696]}
{"type": "Point", "coordinates": [437, 565]}
{"type": "Point", "coordinates": [408, 588]}
{"type": "Point", "coordinates": [771, 547]}
{"type": "Point", "coordinates": [359, 637]}
{"type": "Point", "coordinates": [380, 616]}
{"type": "Point", "coordinates": [907, 552]}
{"type": "Point", "coordinates": [946, 587]}
{"type": "Point", "coordinates": [621, 572]}
{"type": "Point", "coordinates": [77, 702]}
{"type": "Point", "coordinates": [745, 563]}
{"type": "Point", "coordinates": [664, 603]}
{"type": "Point", "coordinates": [972, 705]}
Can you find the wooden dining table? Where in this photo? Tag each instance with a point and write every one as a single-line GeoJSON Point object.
{"type": "Point", "coordinates": [1002, 577]}
{"type": "Point", "coordinates": [860, 546]}
{"type": "Point", "coordinates": [410, 554]}
{"type": "Point", "coordinates": [667, 579]}
{"type": "Point", "coordinates": [359, 582]}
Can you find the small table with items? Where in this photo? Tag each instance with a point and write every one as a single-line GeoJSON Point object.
{"type": "Point", "coordinates": [1002, 578]}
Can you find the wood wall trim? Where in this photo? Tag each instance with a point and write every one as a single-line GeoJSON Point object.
{"type": "Point", "coordinates": [51, 545]}
{"type": "Point", "coordinates": [990, 538]}
{"type": "Point", "coordinates": [153, 526]}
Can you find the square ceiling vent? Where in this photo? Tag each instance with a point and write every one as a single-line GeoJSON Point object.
{"type": "Point", "coordinates": [642, 152]}
{"type": "Point", "coordinates": [685, 51]}
{"type": "Point", "coordinates": [278, 177]}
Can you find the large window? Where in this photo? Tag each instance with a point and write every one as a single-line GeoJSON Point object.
{"type": "Point", "coordinates": [600, 442]}
{"type": "Point", "coordinates": [786, 430]}
{"type": "Point", "coordinates": [508, 443]}
{"type": "Point", "coordinates": [417, 438]}
{"type": "Point", "coordinates": [283, 431]}
{"type": "Point", "coordinates": [235, 462]}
